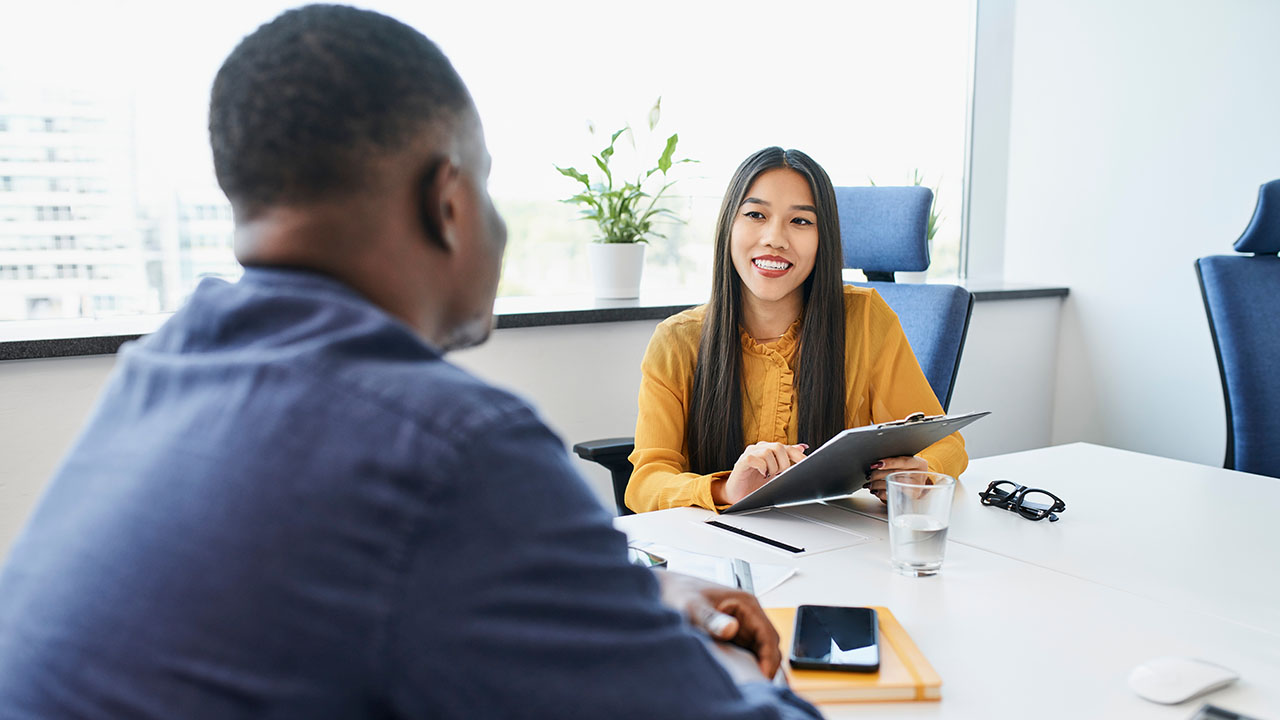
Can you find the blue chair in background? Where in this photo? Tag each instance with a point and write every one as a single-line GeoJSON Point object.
{"type": "Point", "coordinates": [882, 231]}
{"type": "Point", "coordinates": [1242, 299]}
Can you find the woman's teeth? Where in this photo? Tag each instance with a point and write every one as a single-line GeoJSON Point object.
{"type": "Point", "coordinates": [770, 264]}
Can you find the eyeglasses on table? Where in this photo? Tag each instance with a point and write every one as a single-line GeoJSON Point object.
{"type": "Point", "coordinates": [1030, 503]}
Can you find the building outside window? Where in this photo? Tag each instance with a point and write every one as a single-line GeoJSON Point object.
{"type": "Point", "coordinates": [103, 144]}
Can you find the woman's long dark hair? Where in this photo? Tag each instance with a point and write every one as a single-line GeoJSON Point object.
{"type": "Point", "coordinates": [714, 428]}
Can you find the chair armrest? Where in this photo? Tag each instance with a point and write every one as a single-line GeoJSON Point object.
{"type": "Point", "coordinates": [614, 454]}
{"type": "Point", "coordinates": [606, 451]}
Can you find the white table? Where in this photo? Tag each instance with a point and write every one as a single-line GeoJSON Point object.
{"type": "Point", "coordinates": [1032, 619]}
{"type": "Point", "coordinates": [1196, 537]}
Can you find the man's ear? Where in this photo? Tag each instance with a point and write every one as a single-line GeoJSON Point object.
{"type": "Point", "coordinates": [437, 202]}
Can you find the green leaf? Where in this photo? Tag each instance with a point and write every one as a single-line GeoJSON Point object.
{"type": "Point", "coordinates": [613, 139]}
{"type": "Point", "coordinates": [664, 162]}
{"type": "Point", "coordinates": [655, 113]}
{"type": "Point", "coordinates": [584, 199]}
{"type": "Point", "coordinates": [604, 167]}
{"type": "Point", "coordinates": [575, 174]}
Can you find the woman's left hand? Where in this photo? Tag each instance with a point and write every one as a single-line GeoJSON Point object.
{"type": "Point", "coordinates": [881, 470]}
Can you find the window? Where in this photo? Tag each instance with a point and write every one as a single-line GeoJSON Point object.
{"type": "Point", "coordinates": [42, 307]}
{"type": "Point", "coordinates": [873, 90]}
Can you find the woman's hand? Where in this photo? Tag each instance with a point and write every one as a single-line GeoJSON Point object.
{"type": "Point", "coordinates": [756, 466]}
{"type": "Point", "coordinates": [881, 470]}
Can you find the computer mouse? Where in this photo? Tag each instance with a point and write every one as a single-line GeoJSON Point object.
{"type": "Point", "coordinates": [1171, 680]}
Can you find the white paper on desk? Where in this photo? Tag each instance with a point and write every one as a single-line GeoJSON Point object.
{"type": "Point", "coordinates": [763, 576]}
{"type": "Point", "coordinates": [862, 504]}
{"type": "Point", "coordinates": [814, 527]}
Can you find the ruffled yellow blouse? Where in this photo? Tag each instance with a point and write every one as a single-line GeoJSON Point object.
{"type": "Point", "coordinates": [884, 382]}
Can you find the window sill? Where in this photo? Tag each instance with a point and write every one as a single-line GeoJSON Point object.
{"type": "Point", "coordinates": [33, 340]}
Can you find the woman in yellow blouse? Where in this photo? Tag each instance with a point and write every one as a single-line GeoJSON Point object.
{"type": "Point", "coordinates": [782, 358]}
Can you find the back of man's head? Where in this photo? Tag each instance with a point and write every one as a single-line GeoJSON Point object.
{"type": "Point", "coordinates": [305, 104]}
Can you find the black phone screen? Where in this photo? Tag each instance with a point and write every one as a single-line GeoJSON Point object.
{"type": "Point", "coordinates": [836, 638]}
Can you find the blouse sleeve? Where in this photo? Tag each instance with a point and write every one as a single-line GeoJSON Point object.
{"type": "Point", "coordinates": [660, 478]}
{"type": "Point", "coordinates": [898, 388]}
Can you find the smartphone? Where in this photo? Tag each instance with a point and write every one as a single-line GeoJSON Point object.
{"type": "Point", "coordinates": [836, 638]}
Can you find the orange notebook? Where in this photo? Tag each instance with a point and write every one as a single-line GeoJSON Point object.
{"type": "Point", "coordinates": [904, 674]}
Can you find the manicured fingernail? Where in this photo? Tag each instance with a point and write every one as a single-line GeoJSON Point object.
{"type": "Point", "coordinates": [803, 446]}
{"type": "Point", "coordinates": [877, 465]}
{"type": "Point", "coordinates": [866, 485]}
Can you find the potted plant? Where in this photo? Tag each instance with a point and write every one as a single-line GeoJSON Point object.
{"type": "Point", "coordinates": [624, 213]}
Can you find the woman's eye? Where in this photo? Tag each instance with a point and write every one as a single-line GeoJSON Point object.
{"type": "Point", "coordinates": [802, 221]}
{"type": "Point", "coordinates": [754, 214]}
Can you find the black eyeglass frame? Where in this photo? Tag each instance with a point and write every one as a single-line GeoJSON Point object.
{"type": "Point", "coordinates": [1015, 500]}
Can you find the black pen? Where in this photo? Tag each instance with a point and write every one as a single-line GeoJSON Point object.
{"type": "Point", "coordinates": [753, 536]}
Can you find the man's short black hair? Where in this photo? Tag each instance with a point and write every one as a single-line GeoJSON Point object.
{"type": "Point", "coordinates": [303, 104]}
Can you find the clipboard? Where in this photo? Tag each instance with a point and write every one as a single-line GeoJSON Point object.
{"type": "Point", "coordinates": [841, 465]}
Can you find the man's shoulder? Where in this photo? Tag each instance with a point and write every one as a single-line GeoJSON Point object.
{"type": "Point", "coordinates": [318, 337]}
{"type": "Point", "coordinates": [435, 395]}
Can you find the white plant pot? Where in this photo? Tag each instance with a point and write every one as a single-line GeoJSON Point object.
{"type": "Point", "coordinates": [616, 269]}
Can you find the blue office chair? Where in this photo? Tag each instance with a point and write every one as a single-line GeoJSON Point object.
{"type": "Point", "coordinates": [882, 230]}
{"type": "Point", "coordinates": [1242, 299]}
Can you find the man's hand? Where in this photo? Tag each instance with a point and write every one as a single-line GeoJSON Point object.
{"type": "Point", "coordinates": [881, 470]}
{"type": "Point", "coordinates": [724, 614]}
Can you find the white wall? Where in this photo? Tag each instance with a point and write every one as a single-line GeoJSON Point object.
{"type": "Point", "coordinates": [582, 378]}
{"type": "Point", "coordinates": [42, 406]}
{"type": "Point", "coordinates": [1140, 132]}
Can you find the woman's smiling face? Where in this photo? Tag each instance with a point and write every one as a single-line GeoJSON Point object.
{"type": "Point", "coordinates": [774, 238]}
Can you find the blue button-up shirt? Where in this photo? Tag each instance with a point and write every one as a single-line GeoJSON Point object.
{"type": "Point", "coordinates": [286, 505]}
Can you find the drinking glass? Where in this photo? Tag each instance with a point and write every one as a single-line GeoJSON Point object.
{"type": "Point", "coordinates": [919, 515]}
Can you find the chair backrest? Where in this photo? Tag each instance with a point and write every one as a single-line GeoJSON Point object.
{"type": "Point", "coordinates": [883, 230]}
{"type": "Point", "coordinates": [1242, 299]}
{"type": "Point", "coordinates": [935, 319]}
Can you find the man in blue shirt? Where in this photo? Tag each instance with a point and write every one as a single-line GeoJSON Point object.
{"type": "Point", "coordinates": [288, 505]}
